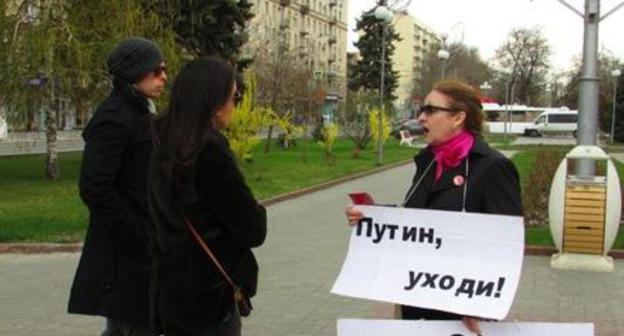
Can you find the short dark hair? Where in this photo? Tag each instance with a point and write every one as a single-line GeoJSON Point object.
{"type": "Point", "coordinates": [465, 98]}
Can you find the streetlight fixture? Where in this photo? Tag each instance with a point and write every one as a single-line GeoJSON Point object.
{"type": "Point", "coordinates": [485, 86]}
{"type": "Point", "coordinates": [616, 75]}
{"type": "Point", "coordinates": [385, 15]}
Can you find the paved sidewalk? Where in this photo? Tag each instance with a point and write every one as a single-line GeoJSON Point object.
{"type": "Point", "coordinates": [617, 156]}
{"type": "Point", "coordinates": [35, 143]}
{"type": "Point", "coordinates": [300, 260]}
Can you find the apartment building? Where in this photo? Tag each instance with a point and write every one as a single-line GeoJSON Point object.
{"type": "Point", "coordinates": [315, 29]}
{"type": "Point", "coordinates": [409, 55]}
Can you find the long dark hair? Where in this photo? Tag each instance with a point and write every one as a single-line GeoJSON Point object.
{"type": "Point", "coordinates": [199, 90]}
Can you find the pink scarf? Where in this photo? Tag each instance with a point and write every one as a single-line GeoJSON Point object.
{"type": "Point", "coordinates": [450, 153]}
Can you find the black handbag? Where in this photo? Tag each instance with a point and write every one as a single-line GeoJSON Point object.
{"type": "Point", "coordinates": [241, 301]}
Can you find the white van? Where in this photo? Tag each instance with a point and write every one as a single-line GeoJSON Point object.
{"type": "Point", "coordinates": [553, 122]}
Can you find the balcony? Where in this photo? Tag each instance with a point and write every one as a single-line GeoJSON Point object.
{"type": "Point", "coordinates": [304, 31]}
{"type": "Point", "coordinates": [333, 3]}
{"type": "Point", "coordinates": [331, 59]}
{"type": "Point", "coordinates": [285, 24]}
{"type": "Point", "coordinates": [334, 20]}
{"type": "Point", "coordinates": [304, 7]}
{"type": "Point", "coordinates": [303, 51]}
{"type": "Point", "coordinates": [285, 3]}
{"type": "Point", "coordinates": [332, 40]}
{"type": "Point", "coordinates": [331, 73]}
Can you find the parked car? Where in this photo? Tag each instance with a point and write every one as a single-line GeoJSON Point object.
{"type": "Point", "coordinates": [412, 125]}
{"type": "Point", "coordinates": [553, 122]}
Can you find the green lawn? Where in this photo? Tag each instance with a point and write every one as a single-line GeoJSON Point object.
{"type": "Point", "coordinates": [32, 209]}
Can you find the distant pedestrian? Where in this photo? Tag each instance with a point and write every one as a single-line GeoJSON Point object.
{"type": "Point", "coordinates": [205, 216]}
{"type": "Point", "coordinates": [112, 279]}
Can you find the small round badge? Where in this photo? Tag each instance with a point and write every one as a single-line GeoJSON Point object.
{"type": "Point", "coordinates": [458, 180]}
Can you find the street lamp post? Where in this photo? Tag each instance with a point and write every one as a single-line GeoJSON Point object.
{"type": "Point", "coordinates": [443, 55]}
{"type": "Point", "coordinates": [616, 75]}
{"type": "Point", "coordinates": [385, 15]}
{"type": "Point", "coordinates": [485, 86]}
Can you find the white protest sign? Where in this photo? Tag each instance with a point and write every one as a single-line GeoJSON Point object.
{"type": "Point", "coordinates": [460, 262]}
{"type": "Point", "coordinates": [456, 328]}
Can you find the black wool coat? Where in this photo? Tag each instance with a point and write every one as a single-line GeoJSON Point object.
{"type": "Point", "coordinates": [114, 268]}
{"type": "Point", "coordinates": [492, 187]}
{"type": "Point", "coordinates": [190, 295]}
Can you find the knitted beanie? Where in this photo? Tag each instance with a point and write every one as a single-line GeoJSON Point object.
{"type": "Point", "coordinates": [133, 58]}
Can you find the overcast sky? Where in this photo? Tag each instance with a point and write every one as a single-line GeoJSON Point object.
{"type": "Point", "coordinates": [486, 23]}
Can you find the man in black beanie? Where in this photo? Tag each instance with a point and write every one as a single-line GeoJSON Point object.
{"type": "Point", "coordinates": [112, 279]}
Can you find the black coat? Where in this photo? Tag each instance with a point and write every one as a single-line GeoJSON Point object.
{"type": "Point", "coordinates": [190, 294]}
{"type": "Point", "coordinates": [114, 269]}
{"type": "Point", "coordinates": [492, 187]}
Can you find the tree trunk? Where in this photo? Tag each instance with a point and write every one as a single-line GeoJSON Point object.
{"type": "Point", "coordinates": [30, 117]}
{"type": "Point", "coordinates": [357, 151]}
{"type": "Point", "coordinates": [267, 145]}
{"type": "Point", "coordinates": [51, 163]}
{"type": "Point", "coordinates": [81, 113]}
{"type": "Point", "coordinates": [306, 142]}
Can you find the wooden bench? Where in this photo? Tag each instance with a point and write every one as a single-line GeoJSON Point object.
{"type": "Point", "coordinates": [406, 138]}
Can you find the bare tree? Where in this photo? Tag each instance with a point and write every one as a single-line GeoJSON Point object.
{"type": "Point", "coordinates": [522, 63]}
{"type": "Point", "coordinates": [465, 64]}
{"type": "Point", "coordinates": [284, 77]}
{"type": "Point", "coordinates": [607, 62]}
{"type": "Point", "coordinates": [354, 117]}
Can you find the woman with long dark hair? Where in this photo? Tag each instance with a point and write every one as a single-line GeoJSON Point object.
{"type": "Point", "coordinates": [205, 218]}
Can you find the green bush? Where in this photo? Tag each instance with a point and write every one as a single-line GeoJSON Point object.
{"type": "Point", "coordinates": [536, 187]}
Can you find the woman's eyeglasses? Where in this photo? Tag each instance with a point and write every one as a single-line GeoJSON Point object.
{"type": "Point", "coordinates": [431, 109]}
{"type": "Point", "coordinates": [159, 70]}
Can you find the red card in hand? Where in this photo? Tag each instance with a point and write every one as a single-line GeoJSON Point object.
{"type": "Point", "coordinates": [361, 198]}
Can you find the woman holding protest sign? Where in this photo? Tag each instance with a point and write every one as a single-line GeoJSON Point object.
{"type": "Point", "coordinates": [457, 171]}
{"type": "Point", "coordinates": [205, 218]}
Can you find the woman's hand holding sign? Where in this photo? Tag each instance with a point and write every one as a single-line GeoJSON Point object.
{"type": "Point", "coordinates": [353, 215]}
{"type": "Point", "coordinates": [472, 323]}
{"type": "Point", "coordinates": [359, 198]}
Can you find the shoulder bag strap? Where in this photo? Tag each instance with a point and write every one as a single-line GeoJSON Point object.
{"type": "Point", "coordinates": [212, 257]}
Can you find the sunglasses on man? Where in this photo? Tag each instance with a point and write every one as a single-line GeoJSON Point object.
{"type": "Point", "coordinates": [159, 70]}
{"type": "Point", "coordinates": [238, 97]}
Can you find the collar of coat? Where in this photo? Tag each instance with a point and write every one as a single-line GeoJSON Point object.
{"type": "Point", "coordinates": [130, 93]}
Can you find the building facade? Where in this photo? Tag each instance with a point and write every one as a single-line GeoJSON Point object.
{"type": "Point", "coordinates": [417, 40]}
{"type": "Point", "coordinates": [315, 30]}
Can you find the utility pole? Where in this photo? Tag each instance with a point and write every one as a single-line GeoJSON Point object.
{"type": "Point", "coordinates": [589, 82]}
{"type": "Point", "coordinates": [616, 78]}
